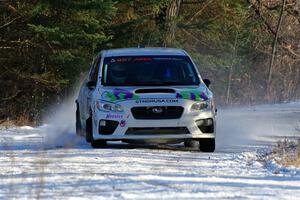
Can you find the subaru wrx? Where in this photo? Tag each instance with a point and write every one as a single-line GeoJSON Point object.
{"type": "Point", "coordinates": [153, 95]}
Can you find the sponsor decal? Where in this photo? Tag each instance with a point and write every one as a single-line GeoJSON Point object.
{"type": "Point", "coordinates": [119, 95]}
{"type": "Point", "coordinates": [114, 116]}
{"type": "Point", "coordinates": [123, 59]}
{"type": "Point", "coordinates": [123, 123]}
{"type": "Point", "coordinates": [142, 59]}
{"type": "Point", "coordinates": [130, 59]}
{"type": "Point", "coordinates": [177, 59]}
{"type": "Point", "coordinates": [156, 101]}
{"type": "Point", "coordinates": [194, 95]}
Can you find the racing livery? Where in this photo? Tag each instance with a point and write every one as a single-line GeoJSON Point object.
{"type": "Point", "coordinates": [153, 95]}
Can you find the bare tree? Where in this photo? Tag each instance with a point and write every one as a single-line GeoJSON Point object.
{"type": "Point", "coordinates": [171, 15]}
{"type": "Point", "coordinates": [271, 67]}
{"type": "Point", "coordinates": [233, 62]}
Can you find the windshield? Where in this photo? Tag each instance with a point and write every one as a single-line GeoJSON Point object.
{"type": "Point", "coordinates": [148, 71]}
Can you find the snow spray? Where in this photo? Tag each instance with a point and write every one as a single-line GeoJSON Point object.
{"type": "Point", "coordinates": [60, 124]}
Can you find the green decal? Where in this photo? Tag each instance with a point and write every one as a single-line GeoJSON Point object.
{"type": "Point", "coordinates": [194, 95]}
{"type": "Point", "coordinates": [121, 95]}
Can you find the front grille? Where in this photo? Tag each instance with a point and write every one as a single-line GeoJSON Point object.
{"type": "Point", "coordinates": [157, 131]}
{"type": "Point", "coordinates": [167, 112]}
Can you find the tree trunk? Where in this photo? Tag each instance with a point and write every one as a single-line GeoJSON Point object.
{"type": "Point", "coordinates": [231, 70]}
{"type": "Point", "coordinates": [171, 14]}
{"type": "Point", "coordinates": [271, 67]}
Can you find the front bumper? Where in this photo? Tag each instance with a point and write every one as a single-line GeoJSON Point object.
{"type": "Point", "coordinates": [126, 123]}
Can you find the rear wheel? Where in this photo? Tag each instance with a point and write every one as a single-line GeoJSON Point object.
{"type": "Point", "coordinates": [207, 144]}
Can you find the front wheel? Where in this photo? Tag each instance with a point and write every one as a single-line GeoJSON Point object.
{"type": "Point", "coordinates": [78, 123]}
{"type": "Point", "coordinates": [89, 135]}
{"type": "Point", "coordinates": [191, 143]}
{"type": "Point", "coordinates": [207, 144]}
{"type": "Point", "coordinates": [89, 130]}
{"type": "Point", "coordinates": [98, 143]}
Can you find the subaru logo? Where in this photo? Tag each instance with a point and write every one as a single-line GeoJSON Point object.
{"type": "Point", "coordinates": [157, 110]}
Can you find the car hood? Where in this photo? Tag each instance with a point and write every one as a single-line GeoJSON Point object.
{"type": "Point", "coordinates": [193, 93]}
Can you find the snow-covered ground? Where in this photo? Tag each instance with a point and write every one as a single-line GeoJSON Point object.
{"type": "Point", "coordinates": [50, 162]}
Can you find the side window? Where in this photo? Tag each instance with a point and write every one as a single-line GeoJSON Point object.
{"type": "Point", "coordinates": [95, 70]}
{"type": "Point", "coordinates": [92, 70]}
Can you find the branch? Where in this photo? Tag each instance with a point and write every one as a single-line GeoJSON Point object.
{"type": "Point", "coordinates": [194, 37]}
{"type": "Point", "coordinates": [281, 41]}
{"type": "Point", "coordinates": [257, 11]}
{"type": "Point", "coordinates": [11, 97]}
{"type": "Point", "coordinates": [294, 14]}
{"type": "Point", "coordinates": [8, 23]}
{"type": "Point", "coordinates": [193, 2]}
{"type": "Point", "coordinates": [289, 49]}
{"type": "Point", "coordinates": [199, 12]}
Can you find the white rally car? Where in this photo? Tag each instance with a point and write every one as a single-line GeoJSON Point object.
{"type": "Point", "coordinates": [153, 95]}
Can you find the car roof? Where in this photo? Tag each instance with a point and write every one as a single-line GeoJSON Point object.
{"type": "Point", "coordinates": [144, 52]}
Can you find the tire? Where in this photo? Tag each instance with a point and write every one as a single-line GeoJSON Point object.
{"type": "Point", "coordinates": [98, 143]}
{"type": "Point", "coordinates": [79, 131]}
{"type": "Point", "coordinates": [89, 135]}
{"type": "Point", "coordinates": [89, 130]}
{"type": "Point", "coordinates": [207, 144]}
{"type": "Point", "coordinates": [190, 143]}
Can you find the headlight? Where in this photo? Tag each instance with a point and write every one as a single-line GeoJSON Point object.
{"type": "Point", "coordinates": [201, 105]}
{"type": "Point", "coordinates": [105, 106]}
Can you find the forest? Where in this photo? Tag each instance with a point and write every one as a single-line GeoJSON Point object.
{"type": "Point", "coordinates": [249, 49]}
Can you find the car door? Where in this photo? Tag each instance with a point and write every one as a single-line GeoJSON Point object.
{"type": "Point", "coordinates": [84, 93]}
{"type": "Point", "coordinates": [92, 78]}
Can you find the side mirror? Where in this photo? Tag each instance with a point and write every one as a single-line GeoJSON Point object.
{"type": "Point", "coordinates": [91, 85]}
{"type": "Point", "coordinates": [207, 82]}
